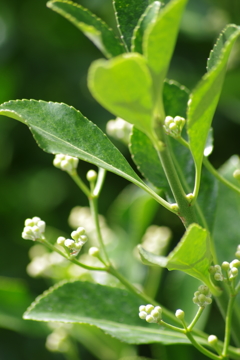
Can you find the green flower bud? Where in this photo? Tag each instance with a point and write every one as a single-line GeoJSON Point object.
{"type": "Point", "coordinates": [212, 340]}
{"type": "Point", "coordinates": [180, 314]}
{"type": "Point", "coordinates": [94, 251]}
{"type": "Point", "coordinates": [225, 265]}
{"type": "Point", "coordinates": [91, 175]}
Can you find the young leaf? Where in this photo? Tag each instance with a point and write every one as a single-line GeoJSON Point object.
{"type": "Point", "coordinates": [152, 259]}
{"type": "Point", "coordinates": [160, 38]}
{"type": "Point", "coordinates": [185, 257]}
{"type": "Point", "coordinates": [127, 14]}
{"type": "Point", "coordinates": [91, 26]}
{"type": "Point", "coordinates": [123, 85]}
{"type": "Point", "coordinates": [148, 17]}
{"type": "Point", "coordinates": [113, 310]}
{"type": "Point", "coordinates": [59, 128]}
{"type": "Point", "coordinates": [204, 98]}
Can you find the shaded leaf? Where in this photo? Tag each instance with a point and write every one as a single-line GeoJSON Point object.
{"type": "Point", "coordinates": [58, 128]}
{"type": "Point", "coordinates": [113, 310]}
{"type": "Point", "coordinates": [127, 13]}
{"type": "Point", "coordinates": [147, 18]}
{"type": "Point", "coordinates": [91, 26]}
{"type": "Point", "coordinates": [123, 86]}
{"type": "Point", "coordinates": [192, 255]}
{"type": "Point", "coordinates": [204, 98]}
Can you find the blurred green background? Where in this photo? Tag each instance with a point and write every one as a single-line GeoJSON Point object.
{"type": "Point", "coordinates": [42, 56]}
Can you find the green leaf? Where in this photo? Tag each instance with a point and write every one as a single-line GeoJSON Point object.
{"type": "Point", "coordinates": [148, 17]}
{"type": "Point", "coordinates": [204, 98]}
{"type": "Point", "coordinates": [58, 128]}
{"type": "Point", "coordinates": [91, 26]}
{"type": "Point", "coordinates": [152, 259]}
{"type": "Point", "coordinates": [123, 86]}
{"type": "Point", "coordinates": [226, 232]}
{"type": "Point", "coordinates": [192, 255]}
{"type": "Point", "coordinates": [160, 38]}
{"type": "Point", "coordinates": [113, 310]}
{"type": "Point", "coordinates": [127, 13]}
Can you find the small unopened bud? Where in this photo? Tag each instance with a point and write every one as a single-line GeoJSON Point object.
{"type": "Point", "coordinates": [61, 240]}
{"type": "Point", "coordinates": [202, 297]}
{"type": "Point", "coordinates": [91, 175]}
{"type": "Point", "coordinates": [235, 263]}
{"type": "Point", "coordinates": [190, 197]}
{"type": "Point", "coordinates": [34, 229]}
{"type": "Point", "coordinates": [225, 265]}
{"type": "Point", "coordinates": [180, 314]}
{"type": "Point", "coordinates": [93, 251]}
{"type": "Point", "coordinates": [212, 340]}
{"type": "Point", "coordinates": [174, 207]}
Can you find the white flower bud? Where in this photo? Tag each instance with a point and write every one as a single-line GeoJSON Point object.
{"type": "Point", "coordinates": [91, 175]}
{"type": "Point", "coordinates": [235, 263]}
{"type": "Point", "coordinates": [236, 174]}
{"type": "Point", "coordinates": [150, 319]}
{"type": "Point", "coordinates": [149, 308]}
{"type": "Point", "coordinates": [202, 297]}
{"type": "Point", "coordinates": [94, 251]}
{"type": "Point", "coordinates": [180, 314]}
{"type": "Point", "coordinates": [143, 315]}
{"type": "Point", "coordinates": [142, 308]}
{"type": "Point", "coordinates": [69, 243]}
{"type": "Point", "coordinates": [61, 240]}
{"type": "Point", "coordinates": [225, 265]}
{"type": "Point", "coordinates": [150, 313]}
{"type": "Point", "coordinates": [212, 340]}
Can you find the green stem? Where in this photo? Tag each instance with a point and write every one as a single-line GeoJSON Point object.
{"type": "Point", "coordinates": [171, 327]}
{"type": "Point", "coordinates": [201, 348]}
{"type": "Point", "coordinates": [186, 211]}
{"type": "Point", "coordinates": [196, 318]}
{"type": "Point", "coordinates": [100, 182]}
{"type": "Point", "coordinates": [74, 175]}
{"type": "Point", "coordinates": [213, 171]}
{"type": "Point", "coordinates": [73, 260]}
{"type": "Point", "coordinates": [94, 209]}
{"type": "Point", "coordinates": [228, 325]}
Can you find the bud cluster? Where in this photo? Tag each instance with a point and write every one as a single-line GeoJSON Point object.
{"type": "Point", "coordinates": [216, 272]}
{"type": "Point", "coordinates": [75, 244]}
{"type": "Point", "coordinates": [65, 162]}
{"type": "Point", "coordinates": [119, 129]}
{"type": "Point", "coordinates": [231, 268]}
{"type": "Point", "coordinates": [202, 297]}
{"type": "Point", "coordinates": [34, 229]}
{"type": "Point", "coordinates": [174, 126]}
{"type": "Point", "coordinates": [150, 313]}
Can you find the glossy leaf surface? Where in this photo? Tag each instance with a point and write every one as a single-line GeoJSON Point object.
{"type": "Point", "coordinates": [204, 98]}
{"type": "Point", "coordinates": [91, 26]}
{"type": "Point", "coordinates": [58, 128]}
{"type": "Point", "coordinates": [127, 13]}
{"type": "Point", "coordinates": [113, 310]}
{"type": "Point", "coordinates": [148, 17]}
{"type": "Point", "coordinates": [124, 87]}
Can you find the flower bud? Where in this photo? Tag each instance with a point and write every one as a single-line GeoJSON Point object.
{"type": "Point", "coordinates": [65, 162]}
{"type": "Point", "coordinates": [236, 174]}
{"type": "Point", "coordinates": [150, 313]}
{"type": "Point", "coordinates": [212, 340]}
{"type": "Point", "coordinates": [93, 251]}
{"type": "Point", "coordinates": [91, 175]}
{"type": "Point", "coordinates": [202, 297]}
{"type": "Point", "coordinates": [180, 314]}
{"type": "Point", "coordinates": [34, 229]}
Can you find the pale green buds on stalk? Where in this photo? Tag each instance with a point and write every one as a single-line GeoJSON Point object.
{"type": "Point", "coordinates": [212, 340]}
{"type": "Point", "coordinates": [34, 229]}
{"type": "Point", "coordinates": [75, 244]}
{"type": "Point", "coordinates": [174, 126]}
{"type": "Point", "coordinates": [180, 314]}
{"type": "Point", "coordinates": [65, 162]}
{"type": "Point", "coordinates": [119, 129]}
{"type": "Point", "coordinates": [93, 251]}
{"type": "Point", "coordinates": [202, 297]}
{"type": "Point", "coordinates": [91, 175]}
{"type": "Point", "coordinates": [237, 254]}
{"type": "Point", "coordinates": [216, 271]}
{"type": "Point", "coordinates": [150, 313]}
